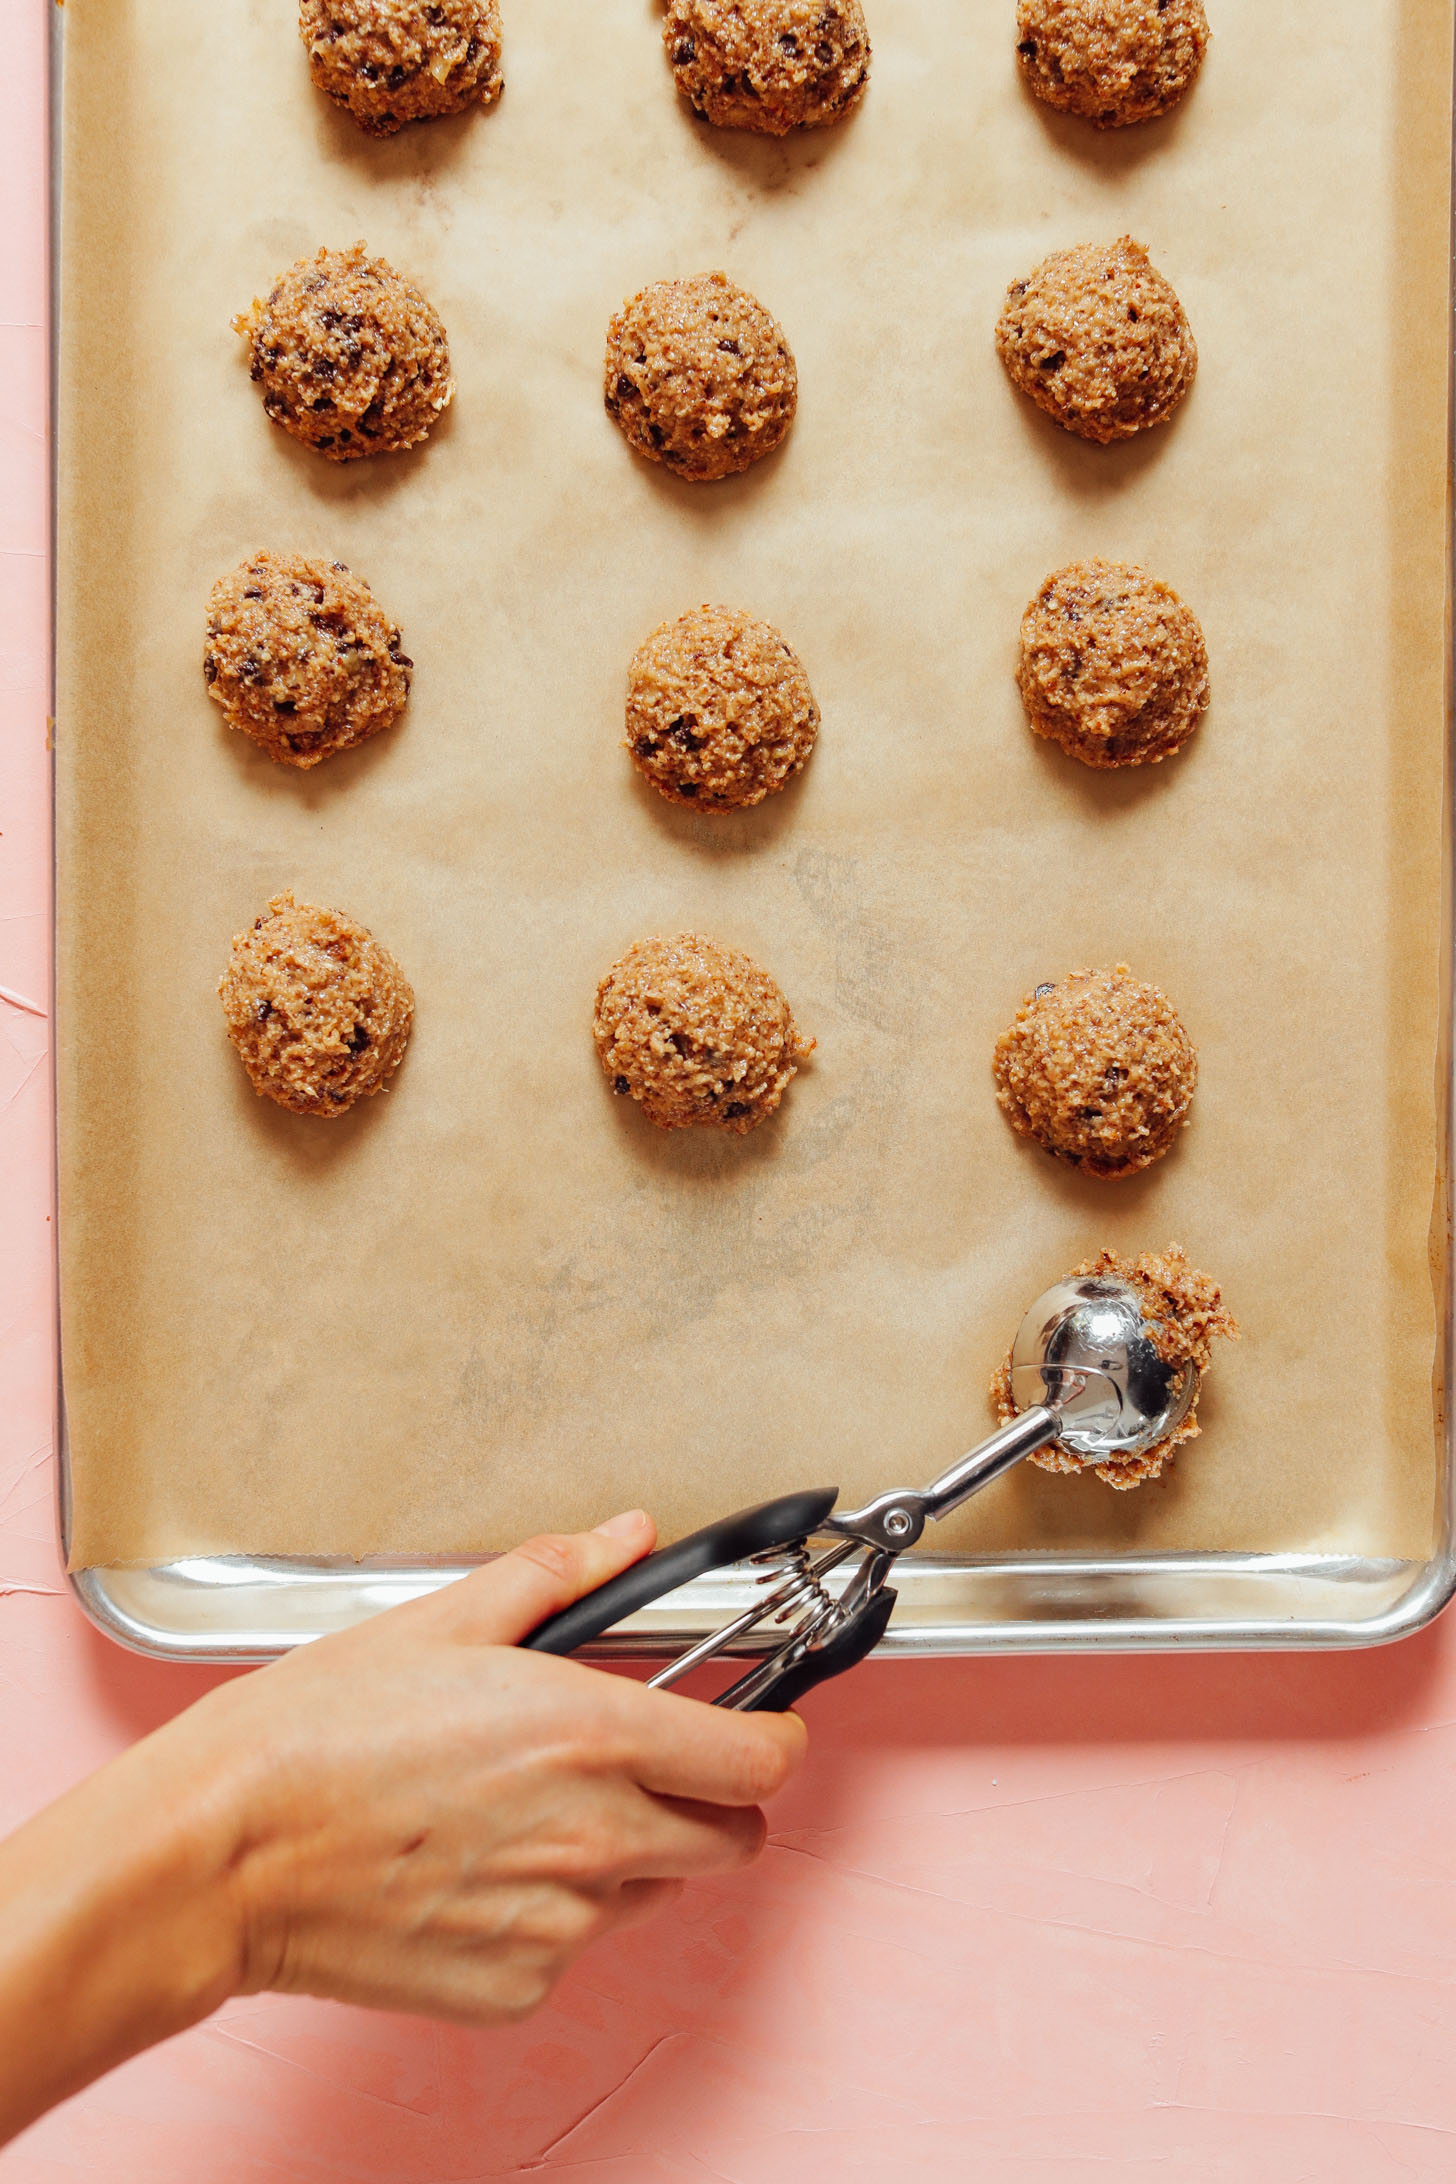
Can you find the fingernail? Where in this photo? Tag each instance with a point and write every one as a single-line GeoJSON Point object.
{"type": "Point", "coordinates": [623, 1527]}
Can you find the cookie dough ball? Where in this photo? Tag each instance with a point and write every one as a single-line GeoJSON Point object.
{"type": "Point", "coordinates": [302, 657]}
{"type": "Point", "coordinates": [1099, 1070]}
{"type": "Point", "coordinates": [387, 62]}
{"type": "Point", "coordinates": [351, 358]}
{"type": "Point", "coordinates": [318, 1010]}
{"type": "Point", "coordinates": [719, 711]}
{"type": "Point", "coordinates": [1099, 340]}
{"type": "Point", "coordinates": [699, 377]}
{"type": "Point", "coordinates": [768, 65]}
{"type": "Point", "coordinates": [696, 1033]}
{"type": "Point", "coordinates": [1113, 665]}
{"type": "Point", "coordinates": [1185, 1315]}
{"type": "Point", "coordinates": [1111, 61]}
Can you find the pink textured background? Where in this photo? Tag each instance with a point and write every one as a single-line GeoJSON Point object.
{"type": "Point", "coordinates": [1037, 1922]}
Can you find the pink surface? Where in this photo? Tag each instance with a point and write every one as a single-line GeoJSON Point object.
{"type": "Point", "coordinates": [1046, 1923]}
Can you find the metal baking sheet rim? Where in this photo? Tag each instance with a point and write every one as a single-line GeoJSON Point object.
{"type": "Point", "coordinates": [236, 1609]}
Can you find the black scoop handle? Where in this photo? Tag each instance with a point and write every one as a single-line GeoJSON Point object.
{"type": "Point", "coordinates": [858, 1638]}
{"type": "Point", "coordinates": [732, 1539]}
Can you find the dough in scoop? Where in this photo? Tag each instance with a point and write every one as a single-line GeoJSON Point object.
{"type": "Point", "coordinates": [1185, 1313]}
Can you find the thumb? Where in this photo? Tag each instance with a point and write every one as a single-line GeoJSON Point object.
{"type": "Point", "coordinates": [504, 1602]}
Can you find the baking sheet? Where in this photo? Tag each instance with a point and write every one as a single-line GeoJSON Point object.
{"type": "Point", "coordinates": [492, 1299]}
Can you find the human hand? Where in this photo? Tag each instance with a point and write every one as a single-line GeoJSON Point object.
{"type": "Point", "coordinates": [412, 1813]}
{"type": "Point", "coordinates": [441, 1821]}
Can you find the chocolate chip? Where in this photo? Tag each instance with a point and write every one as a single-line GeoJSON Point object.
{"type": "Point", "coordinates": [249, 669]}
{"type": "Point", "coordinates": [265, 1008]}
{"type": "Point", "coordinates": [824, 53]}
{"type": "Point", "coordinates": [730, 348]}
{"type": "Point", "coordinates": [401, 659]}
{"type": "Point", "coordinates": [1054, 362]}
{"type": "Point", "coordinates": [788, 41]}
{"type": "Point", "coordinates": [1027, 49]}
{"type": "Point", "coordinates": [209, 667]}
{"type": "Point", "coordinates": [1049, 986]}
{"type": "Point", "coordinates": [620, 1085]}
{"type": "Point", "coordinates": [644, 746]}
{"type": "Point", "coordinates": [686, 788]}
{"type": "Point", "coordinates": [396, 78]}
{"type": "Point", "coordinates": [681, 1042]}
{"type": "Point", "coordinates": [285, 705]}
{"type": "Point", "coordinates": [684, 51]}
{"type": "Point", "coordinates": [736, 1108]}
{"type": "Point", "coordinates": [357, 1040]}
{"type": "Point", "coordinates": [656, 434]}
{"type": "Point", "coordinates": [681, 731]}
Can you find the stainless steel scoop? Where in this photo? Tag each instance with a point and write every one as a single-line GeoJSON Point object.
{"type": "Point", "coordinates": [1084, 1373]}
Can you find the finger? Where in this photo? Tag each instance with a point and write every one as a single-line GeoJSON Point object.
{"type": "Point", "coordinates": [686, 1749]}
{"type": "Point", "coordinates": [682, 1841]}
{"type": "Point", "coordinates": [503, 1602]}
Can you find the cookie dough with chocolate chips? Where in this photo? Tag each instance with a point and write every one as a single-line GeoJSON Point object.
{"type": "Point", "coordinates": [719, 711]}
{"type": "Point", "coordinates": [696, 1033]}
{"type": "Point", "coordinates": [1111, 61]}
{"type": "Point", "coordinates": [302, 657]}
{"type": "Point", "coordinates": [1098, 1069]}
{"type": "Point", "coordinates": [1099, 340]}
{"type": "Point", "coordinates": [1185, 1315]}
{"type": "Point", "coordinates": [318, 1010]}
{"type": "Point", "coordinates": [351, 358]}
{"type": "Point", "coordinates": [1113, 665]}
{"type": "Point", "coordinates": [387, 62]}
{"type": "Point", "coordinates": [699, 377]}
{"type": "Point", "coordinates": [768, 65]}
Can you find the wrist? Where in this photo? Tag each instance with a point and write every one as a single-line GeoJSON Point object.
{"type": "Point", "coordinates": [120, 1924]}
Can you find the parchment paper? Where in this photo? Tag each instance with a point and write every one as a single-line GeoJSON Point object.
{"type": "Point", "coordinates": [494, 1299]}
